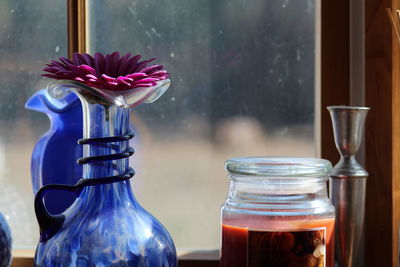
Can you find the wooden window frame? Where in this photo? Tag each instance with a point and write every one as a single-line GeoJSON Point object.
{"type": "Point", "coordinates": [77, 26]}
{"type": "Point", "coordinates": [382, 145]}
{"type": "Point", "coordinates": [382, 134]}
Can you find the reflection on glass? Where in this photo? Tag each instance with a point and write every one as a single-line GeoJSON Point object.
{"type": "Point", "coordinates": [30, 35]}
{"type": "Point", "coordinates": [242, 85]}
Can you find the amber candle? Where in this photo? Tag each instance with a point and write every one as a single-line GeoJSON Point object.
{"type": "Point", "coordinates": [274, 243]}
{"type": "Point", "coordinates": [277, 214]}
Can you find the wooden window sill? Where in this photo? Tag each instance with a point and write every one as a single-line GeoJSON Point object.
{"type": "Point", "coordinates": [209, 258]}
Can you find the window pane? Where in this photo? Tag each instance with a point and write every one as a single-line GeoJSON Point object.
{"type": "Point", "coordinates": [242, 85]}
{"type": "Point", "coordinates": [31, 34]}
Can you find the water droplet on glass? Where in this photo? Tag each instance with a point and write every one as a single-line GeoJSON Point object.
{"type": "Point", "coordinates": [57, 49]}
{"type": "Point", "coordinates": [12, 11]}
{"type": "Point", "coordinates": [298, 55]}
{"type": "Point", "coordinates": [172, 54]}
{"type": "Point", "coordinates": [173, 98]}
{"type": "Point", "coordinates": [148, 34]}
{"type": "Point", "coordinates": [155, 31]}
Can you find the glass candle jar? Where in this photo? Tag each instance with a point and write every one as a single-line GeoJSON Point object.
{"type": "Point", "coordinates": [277, 213]}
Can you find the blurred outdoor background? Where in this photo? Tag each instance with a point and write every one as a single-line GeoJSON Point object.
{"type": "Point", "coordinates": [243, 84]}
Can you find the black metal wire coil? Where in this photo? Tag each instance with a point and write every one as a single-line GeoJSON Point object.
{"type": "Point", "coordinates": [95, 159]}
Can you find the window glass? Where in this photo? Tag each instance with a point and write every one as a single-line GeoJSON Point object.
{"type": "Point", "coordinates": [30, 35]}
{"type": "Point", "coordinates": [243, 76]}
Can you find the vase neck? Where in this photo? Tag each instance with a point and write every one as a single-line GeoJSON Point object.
{"type": "Point", "coordinates": [104, 121]}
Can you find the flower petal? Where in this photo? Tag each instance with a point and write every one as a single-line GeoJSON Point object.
{"type": "Point", "coordinates": [131, 65]}
{"type": "Point", "coordinates": [66, 61]}
{"type": "Point", "coordinates": [152, 68]}
{"type": "Point", "coordinates": [122, 64]}
{"type": "Point", "coordinates": [146, 80]}
{"type": "Point", "coordinates": [121, 79]}
{"type": "Point", "coordinates": [79, 79]}
{"type": "Point", "coordinates": [87, 69]}
{"type": "Point", "coordinates": [107, 78]}
{"type": "Point", "coordinates": [144, 84]}
{"type": "Point", "coordinates": [88, 59]}
{"type": "Point", "coordinates": [143, 64]}
{"type": "Point", "coordinates": [100, 63]}
{"type": "Point", "coordinates": [159, 73]}
{"type": "Point", "coordinates": [91, 76]}
{"type": "Point", "coordinates": [76, 59]}
{"type": "Point", "coordinates": [136, 75]}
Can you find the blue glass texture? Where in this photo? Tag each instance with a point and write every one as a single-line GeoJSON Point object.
{"type": "Point", "coordinates": [5, 242]}
{"type": "Point", "coordinates": [55, 154]}
{"type": "Point", "coordinates": [106, 226]}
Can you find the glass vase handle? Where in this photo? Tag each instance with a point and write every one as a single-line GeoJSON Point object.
{"type": "Point", "coordinates": [50, 223]}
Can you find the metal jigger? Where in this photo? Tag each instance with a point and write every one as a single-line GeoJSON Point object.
{"type": "Point", "coordinates": [348, 182]}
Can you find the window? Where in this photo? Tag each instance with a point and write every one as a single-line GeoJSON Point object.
{"type": "Point", "coordinates": [243, 84]}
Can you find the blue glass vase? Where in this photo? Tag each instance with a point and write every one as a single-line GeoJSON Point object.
{"type": "Point", "coordinates": [5, 242]}
{"type": "Point", "coordinates": [55, 154]}
{"type": "Point", "coordinates": [105, 226]}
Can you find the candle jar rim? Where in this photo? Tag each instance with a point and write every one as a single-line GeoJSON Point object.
{"type": "Point", "coordinates": [348, 108]}
{"type": "Point", "coordinates": [278, 167]}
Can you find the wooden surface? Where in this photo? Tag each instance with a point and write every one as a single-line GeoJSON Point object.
{"type": "Point", "coordinates": [24, 258]}
{"type": "Point", "coordinates": [335, 68]}
{"type": "Point", "coordinates": [199, 259]}
{"type": "Point", "coordinates": [396, 148]}
{"type": "Point", "coordinates": [382, 137]}
{"type": "Point", "coordinates": [22, 262]}
{"type": "Point", "coordinates": [203, 263]}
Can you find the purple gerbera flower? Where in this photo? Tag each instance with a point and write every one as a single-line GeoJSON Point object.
{"type": "Point", "coordinates": [110, 72]}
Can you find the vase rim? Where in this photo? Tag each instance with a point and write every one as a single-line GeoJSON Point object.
{"type": "Point", "coordinates": [121, 98]}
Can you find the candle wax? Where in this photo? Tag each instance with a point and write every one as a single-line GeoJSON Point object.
{"type": "Point", "coordinates": [275, 243]}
